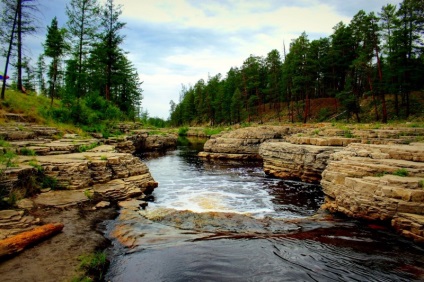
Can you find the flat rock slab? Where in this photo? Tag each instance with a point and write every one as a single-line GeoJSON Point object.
{"type": "Point", "coordinates": [61, 198]}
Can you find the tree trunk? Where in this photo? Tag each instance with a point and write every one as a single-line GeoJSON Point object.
{"type": "Point", "coordinates": [3, 88]}
{"type": "Point", "coordinates": [17, 243]}
{"type": "Point", "coordinates": [19, 47]}
{"type": "Point", "coordinates": [377, 117]}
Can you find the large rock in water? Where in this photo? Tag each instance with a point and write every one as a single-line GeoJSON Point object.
{"type": "Point", "coordinates": [293, 161]}
{"type": "Point", "coordinates": [378, 182]}
{"type": "Point", "coordinates": [243, 143]}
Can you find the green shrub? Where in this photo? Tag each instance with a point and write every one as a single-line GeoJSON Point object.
{"type": "Point", "coordinates": [182, 131]}
{"type": "Point", "coordinates": [348, 134]}
{"type": "Point", "coordinates": [94, 265]}
{"type": "Point", "coordinates": [27, 152]}
{"type": "Point", "coordinates": [4, 143]}
{"type": "Point", "coordinates": [401, 172]}
{"type": "Point", "coordinates": [7, 158]}
{"type": "Point", "coordinates": [421, 183]}
{"type": "Point", "coordinates": [49, 182]}
{"type": "Point", "coordinates": [84, 148]}
{"type": "Point", "coordinates": [381, 174]}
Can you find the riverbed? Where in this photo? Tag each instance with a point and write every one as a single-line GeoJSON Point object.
{"type": "Point", "coordinates": [274, 230]}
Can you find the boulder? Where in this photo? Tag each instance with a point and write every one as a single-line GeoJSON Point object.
{"type": "Point", "coordinates": [296, 162]}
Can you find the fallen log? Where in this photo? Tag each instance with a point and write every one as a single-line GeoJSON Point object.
{"type": "Point", "coordinates": [17, 243]}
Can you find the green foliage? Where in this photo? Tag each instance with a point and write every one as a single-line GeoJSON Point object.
{"type": "Point", "coordinates": [94, 265]}
{"type": "Point", "coordinates": [381, 174]}
{"type": "Point", "coordinates": [89, 194]}
{"type": "Point", "coordinates": [182, 131]}
{"type": "Point", "coordinates": [212, 131]}
{"type": "Point", "coordinates": [49, 182]}
{"type": "Point", "coordinates": [323, 114]}
{"type": "Point", "coordinates": [359, 64]}
{"type": "Point", "coordinates": [421, 183]}
{"type": "Point", "coordinates": [4, 143]}
{"type": "Point", "coordinates": [84, 148]}
{"type": "Point", "coordinates": [27, 152]}
{"type": "Point", "coordinates": [7, 159]}
{"type": "Point", "coordinates": [401, 172]}
{"type": "Point", "coordinates": [34, 163]}
{"type": "Point", "coordinates": [348, 134]}
{"type": "Point", "coordinates": [103, 158]}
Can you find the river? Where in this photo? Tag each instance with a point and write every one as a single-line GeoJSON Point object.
{"type": "Point", "coordinates": [279, 236]}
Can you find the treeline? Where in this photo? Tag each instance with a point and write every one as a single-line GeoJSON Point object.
{"type": "Point", "coordinates": [83, 64]}
{"type": "Point", "coordinates": [372, 56]}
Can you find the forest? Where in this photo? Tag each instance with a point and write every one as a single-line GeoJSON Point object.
{"type": "Point", "coordinates": [377, 57]}
{"type": "Point", "coordinates": [83, 70]}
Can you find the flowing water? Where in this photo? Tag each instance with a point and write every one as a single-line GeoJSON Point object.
{"type": "Point", "coordinates": [257, 229]}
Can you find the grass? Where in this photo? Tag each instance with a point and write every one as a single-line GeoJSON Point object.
{"type": "Point", "coordinates": [4, 143]}
{"type": "Point", "coordinates": [27, 152]}
{"type": "Point", "coordinates": [381, 174]}
{"type": "Point", "coordinates": [84, 148]}
{"type": "Point", "coordinates": [421, 183]}
{"type": "Point", "coordinates": [156, 132]}
{"type": "Point", "coordinates": [401, 172]}
{"type": "Point", "coordinates": [348, 134]}
{"type": "Point", "coordinates": [94, 266]}
{"type": "Point", "coordinates": [7, 159]}
{"type": "Point", "coordinates": [212, 131]}
{"type": "Point", "coordinates": [89, 194]}
{"type": "Point", "coordinates": [29, 104]}
{"type": "Point", "coordinates": [34, 163]}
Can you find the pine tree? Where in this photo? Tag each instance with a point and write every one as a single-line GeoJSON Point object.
{"type": "Point", "coordinates": [54, 47]}
{"type": "Point", "coordinates": [26, 20]}
{"type": "Point", "coordinates": [82, 25]}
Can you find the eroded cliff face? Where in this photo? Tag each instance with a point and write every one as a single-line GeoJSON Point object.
{"type": "Point", "coordinates": [243, 143]}
{"type": "Point", "coordinates": [378, 182]}
{"type": "Point", "coordinates": [297, 162]}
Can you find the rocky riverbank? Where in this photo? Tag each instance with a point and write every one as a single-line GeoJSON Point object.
{"type": "Point", "coordinates": [368, 173]}
{"type": "Point", "coordinates": [70, 180]}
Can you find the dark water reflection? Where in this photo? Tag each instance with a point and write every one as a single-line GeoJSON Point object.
{"type": "Point", "coordinates": [336, 250]}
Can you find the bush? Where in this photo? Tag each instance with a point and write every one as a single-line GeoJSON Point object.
{"type": "Point", "coordinates": [27, 152]}
{"type": "Point", "coordinates": [401, 172]}
{"type": "Point", "coordinates": [182, 131]}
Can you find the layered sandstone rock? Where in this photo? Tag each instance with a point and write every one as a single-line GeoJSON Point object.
{"type": "Point", "coordinates": [26, 131]}
{"type": "Point", "coordinates": [141, 141]}
{"type": "Point", "coordinates": [82, 170]}
{"type": "Point", "coordinates": [243, 143]}
{"type": "Point", "coordinates": [378, 182]}
{"type": "Point", "coordinates": [293, 161]}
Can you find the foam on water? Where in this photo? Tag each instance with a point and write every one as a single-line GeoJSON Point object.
{"type": "Point", "coordinates": [210, 187]}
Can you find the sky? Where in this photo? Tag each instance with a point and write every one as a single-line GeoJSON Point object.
{"type": "Point", "coordinates": [177, 42]}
